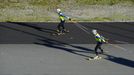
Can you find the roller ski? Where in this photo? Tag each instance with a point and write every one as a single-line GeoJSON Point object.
{"type": "Point", "coordinates": [61, 33]}
{"type": "Point", "coordinates": [58, 33]}
{"type": "Point", "coordinates": [65, 31]}
{"type": "Point", "coordinates": [94, 58]}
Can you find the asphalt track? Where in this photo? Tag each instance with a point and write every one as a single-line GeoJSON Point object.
{"type": "Point", "coordinates": [30, 49]}
{"type": "Point", "coordinates": [33, 59]}
{"type": "Point", "coordinates": [30, 33]}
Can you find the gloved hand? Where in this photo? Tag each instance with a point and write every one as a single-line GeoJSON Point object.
{"type": "Point", "coordinates": [70, 19]}
{"type": "Point", "coordinates": [107, 40]}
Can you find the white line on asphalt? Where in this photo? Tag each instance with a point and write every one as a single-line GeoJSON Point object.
{"type": "Point", "coordinates": [123, 42]}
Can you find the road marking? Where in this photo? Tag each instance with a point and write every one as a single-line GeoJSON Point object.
{"type": "Point", "coordinates": [123, 42]}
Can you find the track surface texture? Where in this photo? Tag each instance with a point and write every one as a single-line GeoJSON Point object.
{"type": "Point", "coordinates": [29, 33]}
{"type": "Point", "coordinates": [31, 49]}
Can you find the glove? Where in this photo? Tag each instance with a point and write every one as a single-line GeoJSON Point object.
{"type": "Point", "coordinates": [107, 40]}
{"type": "Point", "coordinates": [70, 19]}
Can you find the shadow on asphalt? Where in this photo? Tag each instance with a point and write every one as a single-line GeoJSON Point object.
{"type": "Point", "coordinates": [121, 61]}
{"type": "Point", "coordinates": [54, 43]}
{"type": "Point", "coordinates": [61, 46]}
{"type": "Point", "coordinates": [34, 27]}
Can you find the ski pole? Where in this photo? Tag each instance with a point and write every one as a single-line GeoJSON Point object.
{"type": "Point", "coordinates": [116, 46]}
{"type": "Point", "coordinates": [80, 26]}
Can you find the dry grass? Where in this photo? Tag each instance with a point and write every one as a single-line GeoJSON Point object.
{"type": "Point", "coordinates": [25, 12]}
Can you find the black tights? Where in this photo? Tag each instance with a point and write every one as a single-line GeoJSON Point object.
{"type": "Point", "coordinates": [61, 26]}
{"type": "Point", "coordinates": [98, 46]}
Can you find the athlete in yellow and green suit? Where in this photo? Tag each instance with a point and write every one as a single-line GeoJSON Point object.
{"type": "Point", "coordinates": [62, 18]}
{"type": "Point", "coordinates": [100, 40]}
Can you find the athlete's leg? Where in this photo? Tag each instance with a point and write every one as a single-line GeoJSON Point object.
{"type": "Point", "coordinates": [62, 25]}
{"type": "Point", "coordinates": [96, 48]}
{"type": "Point", "coordinates": [59, 27]}
{"type": "Point", "coordinates": [101, 48]}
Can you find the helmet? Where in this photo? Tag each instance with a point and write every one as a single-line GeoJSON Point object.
{"type": "Point", "coordinates": [94, 31]}
{"type": "Point", "coordinates": [58, 10]}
